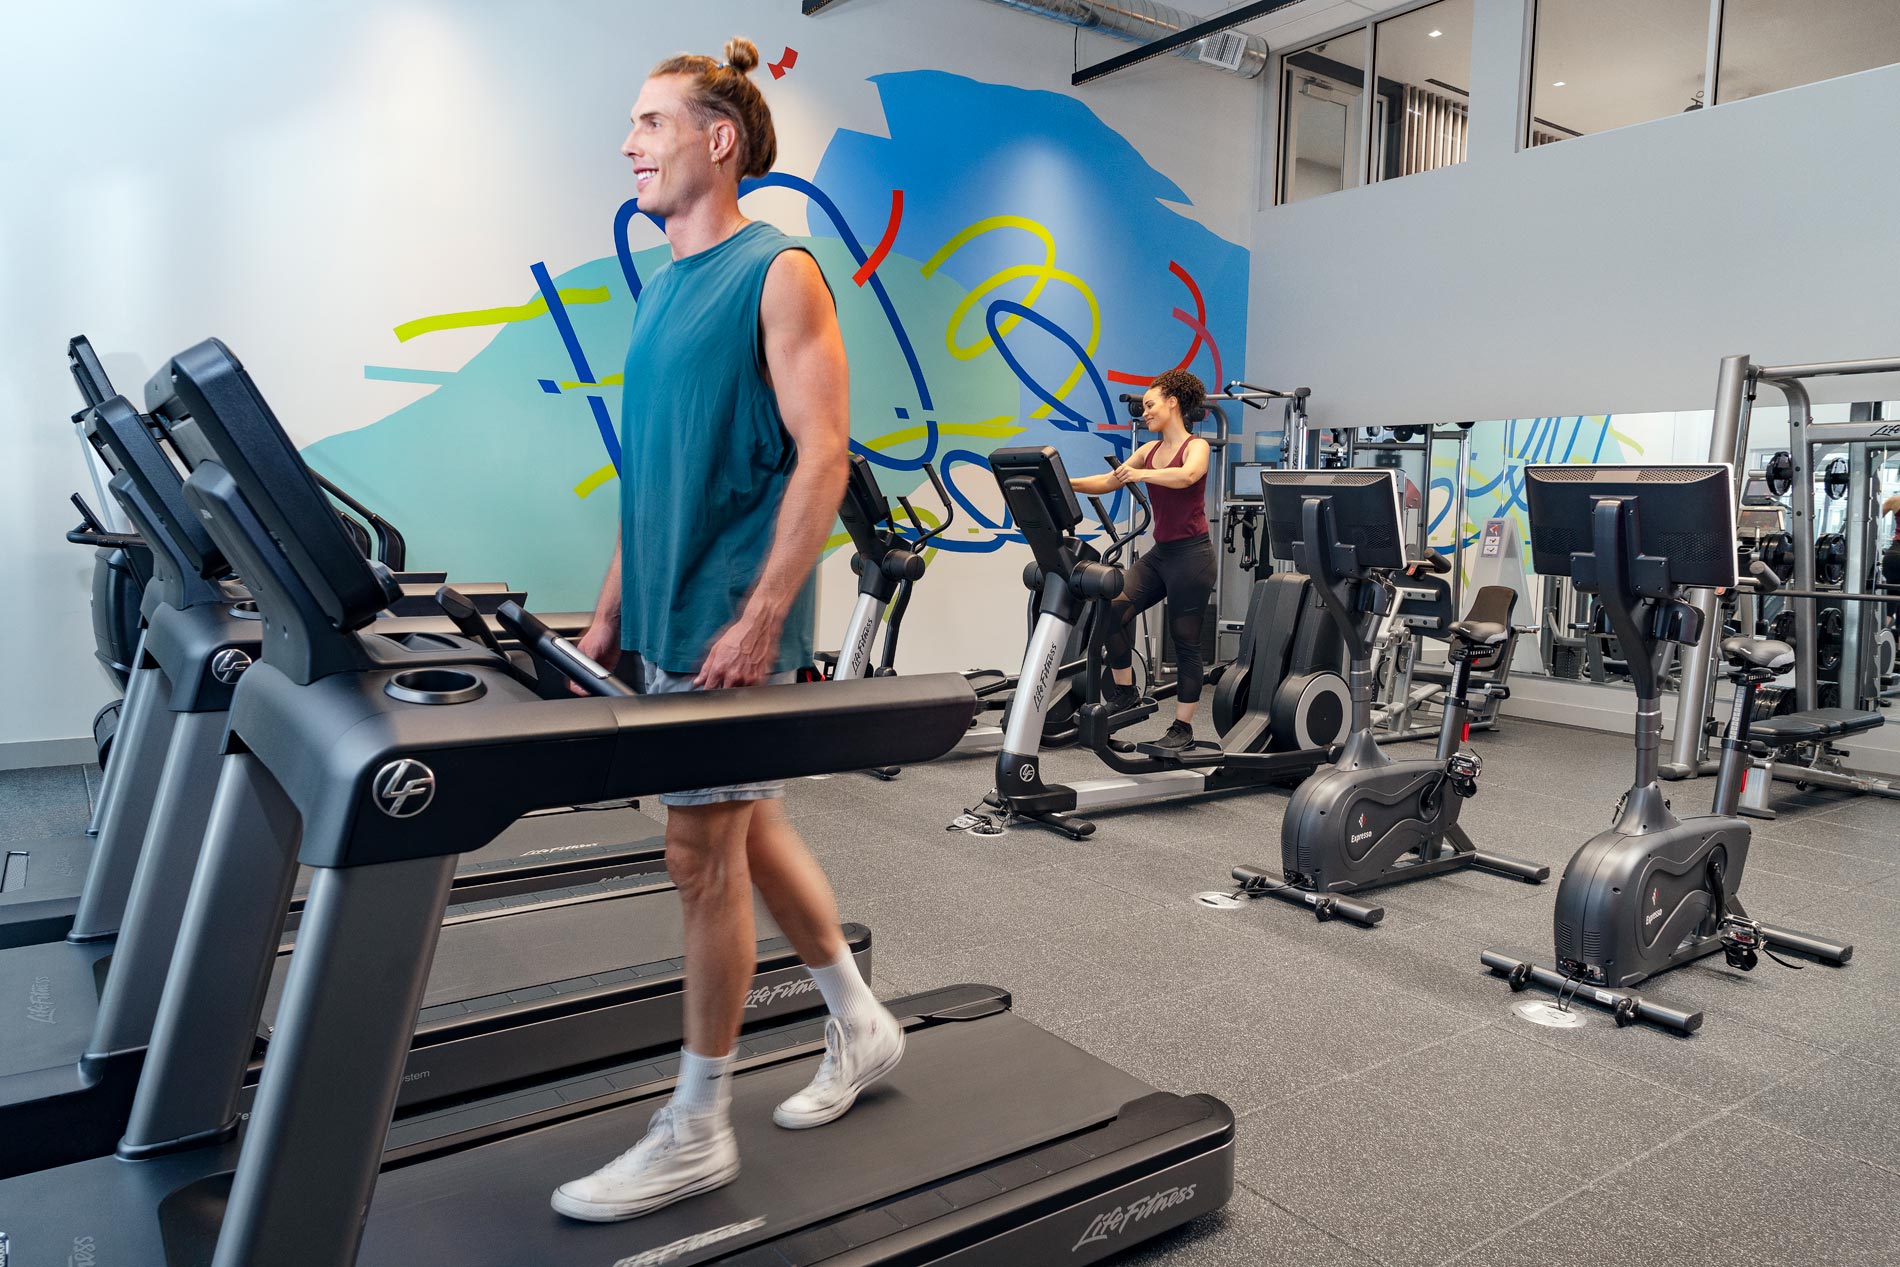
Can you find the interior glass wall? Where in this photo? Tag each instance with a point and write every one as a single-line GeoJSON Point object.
{"type": "Point", "coordinates": [1768, 45]}
{"type": "Point", "coordinates": [1421, 110]}
{"type": "Point", "coordinates": [1321, 88]}
{"type": "Point", "coordinates": [1602, 64]}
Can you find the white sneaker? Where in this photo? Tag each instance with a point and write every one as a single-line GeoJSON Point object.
{"type": "Point", "coordinates": [680, 1156]}
{"type": "Point", "coordinates": [854, 1059]}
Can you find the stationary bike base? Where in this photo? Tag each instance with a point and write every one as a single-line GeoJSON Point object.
{"type": "Point", "coordinates": [1626, 1006]}
{"type": "Point", "coordinates": [1325, 906]}
{"type": "Point", "coordinates": [1256, 882]}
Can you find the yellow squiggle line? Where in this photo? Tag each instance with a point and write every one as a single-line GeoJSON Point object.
{"type": "Point", "coordinates": [969, 234]}
{"type": "Point", "coordinates": [997, 428]}
{"type": "Point", "coordinates": [496, 316]}
{"type": "Point", "coordinates": [612, 380]}
{"type": "Point", "coordinates": [1042, 274]}
{"type": "Point", "coordinates": [594, 481]}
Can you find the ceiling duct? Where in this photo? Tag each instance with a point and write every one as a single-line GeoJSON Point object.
{"type": "Point", "coordinates": [1142, 21]}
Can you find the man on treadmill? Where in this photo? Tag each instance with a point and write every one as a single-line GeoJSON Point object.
{"type": "Point", "coordinates": [735, 426]}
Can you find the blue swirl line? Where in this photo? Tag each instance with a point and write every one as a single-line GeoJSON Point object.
{"type": "Point", "coordinates": [1081, 423]}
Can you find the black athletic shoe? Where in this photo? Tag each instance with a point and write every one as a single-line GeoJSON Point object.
{"type": "Point", "coordinates": [1120, 698]}
{"type": "Point", "coordinates": [1180, 737]}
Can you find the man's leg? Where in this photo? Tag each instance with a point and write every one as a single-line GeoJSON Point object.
{"type": "Point", "coordinates": [706, 848]}
{"type": "Point", "coordinates": [794, 887]}
{"type": "Point", "coordinates": [863, 1041]}
{"type": "Point", "coordinates": [689, 1146]}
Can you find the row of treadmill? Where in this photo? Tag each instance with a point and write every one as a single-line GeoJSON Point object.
{"type": "Point", "coordinates": [369, 939]}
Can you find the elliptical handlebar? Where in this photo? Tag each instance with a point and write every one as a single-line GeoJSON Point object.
{"type": "Point", "coordinates": [1138, 524]}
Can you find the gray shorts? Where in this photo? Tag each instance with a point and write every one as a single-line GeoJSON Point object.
{"type": "Point", "coordinates": [654, 681]}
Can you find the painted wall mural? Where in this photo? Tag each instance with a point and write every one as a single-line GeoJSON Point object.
{"type": "Point", "coordinates": [1005, 264]}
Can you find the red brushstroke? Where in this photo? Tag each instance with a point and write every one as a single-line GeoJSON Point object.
{"type": "Point", "coordinates": [783, 64]}
{"type": "Point", "coordinates": [1199, 326]}
{"type": "Point", "coordinates": [884, 244]}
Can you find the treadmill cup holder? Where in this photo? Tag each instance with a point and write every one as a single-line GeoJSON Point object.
{"type": "Point", "coordinates": [246, 609]}
{"type": "Point", "coordinates": [435, 686]}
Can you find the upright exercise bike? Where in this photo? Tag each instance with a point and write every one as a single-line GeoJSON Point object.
{"type": "Point", "coordinates": [1654, 892]}
{"type": "Point", "coordinates": [1368, 820]}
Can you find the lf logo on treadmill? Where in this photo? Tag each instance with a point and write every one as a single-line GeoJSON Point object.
{"type": "Point", "coordinates": [403, 788]}
{"type": "Point", "coordinates": [229, 665]}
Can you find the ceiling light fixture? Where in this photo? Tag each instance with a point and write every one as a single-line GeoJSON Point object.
{"type": "Point", "coordinates": [1435, 34]}
{"type": "Point", "coordinates": [1558, 84]}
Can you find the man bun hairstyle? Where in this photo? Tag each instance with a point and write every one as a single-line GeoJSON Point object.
{"type": "Point", "coordinates": [723, 90]}
{"type": "Point", "coordinates": [1189, 393]}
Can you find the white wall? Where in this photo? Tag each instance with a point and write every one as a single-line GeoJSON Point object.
{"type": "Point", "coordinates": [298, 178]}
{"type": "Point", "coordinates": [1607, 274]}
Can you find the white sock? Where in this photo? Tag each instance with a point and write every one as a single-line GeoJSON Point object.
{"type": "Point", "coordinates": [849, 999]}
{"type": "Point", "coordinates": [705, 1084]}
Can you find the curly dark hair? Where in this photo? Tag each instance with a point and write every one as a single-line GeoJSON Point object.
{"type": "Point", "coordinates": [1189, 393]}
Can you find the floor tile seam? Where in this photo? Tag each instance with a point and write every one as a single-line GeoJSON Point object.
{"type": "Point", "coordinates": [1429, 1107]}
{"type": "Point", "coordinates": [1327, 1232]}
{"type": "Point", "coordinates": [1622, 1167]}
{"type": "Point", "coordinates": [1501, 1233]}
{"type": "Point", "coordinates": [1740, 1110]}
{"type": "Point", "coordinates": [1162, 992]}
{"type": "Point", "coordinates": [1551, 1044]}
{"type": "Point", "coordinates": [1767, 865]}
{"type": "Point", "coordinates": [1411, 1053]}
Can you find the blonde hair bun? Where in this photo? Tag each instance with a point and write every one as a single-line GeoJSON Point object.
{"type": "Point", "coordinates": [742, 54]}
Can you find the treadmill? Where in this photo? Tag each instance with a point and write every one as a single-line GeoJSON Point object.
{"type": "Point", "coordinates": [994, 1142]}
{"type": "Point", "coordinates": [526, 982]}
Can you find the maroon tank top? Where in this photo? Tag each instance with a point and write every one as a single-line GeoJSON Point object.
{"type": "Point", "coordinates": [1180, 513]}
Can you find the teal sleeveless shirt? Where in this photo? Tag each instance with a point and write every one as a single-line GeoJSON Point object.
{"type": "Point", "coordinates": [704, 457]}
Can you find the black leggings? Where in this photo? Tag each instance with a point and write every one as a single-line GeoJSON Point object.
{"type": "Point", "coordinates": [1183, 573]}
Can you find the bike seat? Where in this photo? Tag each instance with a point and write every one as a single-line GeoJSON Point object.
{"type": "Point", "coordinates": [1758, 653]}
{"type": "Point", "coordinates": [1481, 633]}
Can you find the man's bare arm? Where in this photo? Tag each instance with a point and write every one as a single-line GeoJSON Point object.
{"type": "Point", "coordinates": [601, 642]}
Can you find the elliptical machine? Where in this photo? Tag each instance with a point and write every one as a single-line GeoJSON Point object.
{"type": "Point", "coordinates": [1654, 892]}
{"type": "Point", "coordinates": [1075, 580]}
{"type": "Point", "coordinates": [1367, 820]}
{"type": "Point", "coordinates": [888, 562]}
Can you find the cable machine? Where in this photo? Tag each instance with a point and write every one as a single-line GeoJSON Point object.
{"type": "Point", "coordinates": [1803, 740]}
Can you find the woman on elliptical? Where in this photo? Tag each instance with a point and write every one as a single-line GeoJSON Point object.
{"type": "Point", "coordinates": [1181, 566]}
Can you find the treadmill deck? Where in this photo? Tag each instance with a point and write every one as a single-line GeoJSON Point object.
{"type": "Point", "coordinates": [994, 1141]}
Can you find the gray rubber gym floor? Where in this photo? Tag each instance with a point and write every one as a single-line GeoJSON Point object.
{"type": "Point", "coordinates": [1392, 1108]}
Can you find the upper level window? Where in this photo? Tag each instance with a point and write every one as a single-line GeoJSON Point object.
{"type": "Point", "coordinates": [1768, 45]}
{"type": "Point", "coordinates": [1422, 72]}
{"type": "Point", "coordinates": [1321, 89]}
{"type": "Point", "coordinates": [1602, 64]}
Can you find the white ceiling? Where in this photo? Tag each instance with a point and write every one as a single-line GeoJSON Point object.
{"type": "Point", "coordinates": [1304, 19]}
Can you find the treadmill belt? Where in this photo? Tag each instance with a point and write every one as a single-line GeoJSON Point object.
{"type": "Point", "coordinates": [967, 1093]}
{"type": "Point", "coordinates": [567, 839]}
{"type": "Point", "coordinates": [538, 944]}
{"type": "Point", "coordinates": [47, 867]}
